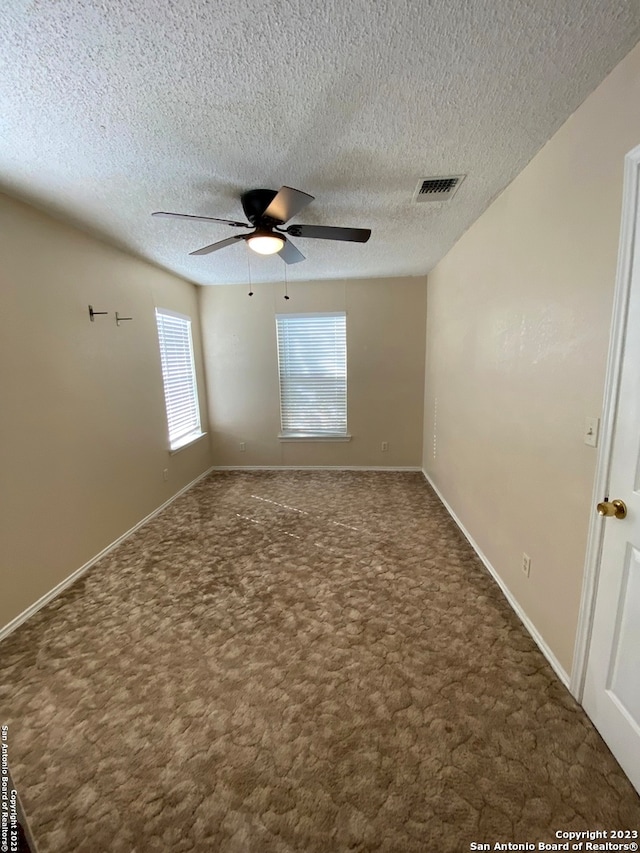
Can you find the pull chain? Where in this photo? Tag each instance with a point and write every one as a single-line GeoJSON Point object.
{"type": "Point", "coordinates": [249, 268]}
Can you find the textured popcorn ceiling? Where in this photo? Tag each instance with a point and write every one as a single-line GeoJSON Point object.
{"type": "Point", "coordinates": [112, 109]}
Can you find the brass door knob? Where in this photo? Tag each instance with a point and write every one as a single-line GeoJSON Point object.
{"type": "Point", "coordinates": [616, 508]}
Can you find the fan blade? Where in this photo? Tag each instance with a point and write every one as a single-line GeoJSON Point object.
{"type": "Point", "coordinates": [328, 232]}
{"type": "Point", "coordinates": [287, 203]}
{"type": "Point", "coordinates": [289, 253]}
{"type": "Point", "coordinates": [168, 215]}
{"type": "Point", "coordinates": [205, 250]}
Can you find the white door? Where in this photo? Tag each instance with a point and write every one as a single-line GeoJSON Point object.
{"type": "Point", "coordinates": [612, 679]}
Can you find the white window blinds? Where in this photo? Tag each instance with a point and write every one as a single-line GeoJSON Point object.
{"type": "Point", "coordinates": [179, 377]}
{"type": "Point", "coordinates": [312, 360]}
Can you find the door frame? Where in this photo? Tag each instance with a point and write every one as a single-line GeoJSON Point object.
{"type": "Point", "coordinates": [630, 216]}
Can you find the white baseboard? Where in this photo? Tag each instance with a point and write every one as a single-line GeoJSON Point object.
{"type": "Point", "coordinates": [528, 624]}
{"type": "Point", "coordinates": [49, 596]}
{"type": "Point", "coordinates": [414, 468]}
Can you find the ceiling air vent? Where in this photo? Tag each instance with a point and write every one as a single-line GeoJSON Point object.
{"type": "Point", "coordinates": [437, 189]}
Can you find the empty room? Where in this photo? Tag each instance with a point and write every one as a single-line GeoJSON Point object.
{"type": "Point", "coordinates": [320, 459]}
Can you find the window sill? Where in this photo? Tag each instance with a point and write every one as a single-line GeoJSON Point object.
{"type": "Point", "coordinates": [311, 437]}
{"type": "Point", "coordinates": [187, 441]}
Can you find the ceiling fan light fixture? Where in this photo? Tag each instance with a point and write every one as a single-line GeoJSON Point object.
{"type": "Point", "coordinates": [265, 242]}
{"type": "Point", "coordinates": [267, 211]}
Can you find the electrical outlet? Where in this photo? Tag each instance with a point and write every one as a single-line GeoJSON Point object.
{"type": "Point", "coordinates": [384, 446]}
{"type": "Point", "coordinates": [526, 564]}
{"type": "Point", "coordinates": [165, 474]}
{"type": "Point", "coordinates": [243, 446]}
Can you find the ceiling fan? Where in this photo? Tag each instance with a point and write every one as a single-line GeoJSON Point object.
{"type": "Point", "coordinates": [267, 211]}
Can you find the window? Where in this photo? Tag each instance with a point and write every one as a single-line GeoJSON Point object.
{"type": "Point", "coordinates": [312, 362]}
{"type": "Point", "coordinates": [179, 378]}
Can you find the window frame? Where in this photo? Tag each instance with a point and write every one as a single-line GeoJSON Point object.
{"type": "Point", "coordinates": [311, 435]}
{"type": "Point", "coordinates": [183, 439]}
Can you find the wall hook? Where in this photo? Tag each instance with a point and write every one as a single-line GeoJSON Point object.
{"type": "Point", "coordinates": [93, 313]}
{"type": "Point", "coordinates": [120, 319]}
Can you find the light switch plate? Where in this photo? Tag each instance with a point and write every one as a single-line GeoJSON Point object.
{"type": "Point", "coordinates": [591, 429]}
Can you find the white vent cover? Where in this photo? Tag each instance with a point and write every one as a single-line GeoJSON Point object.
{"type": "Point", "coordinates": [437, 189]}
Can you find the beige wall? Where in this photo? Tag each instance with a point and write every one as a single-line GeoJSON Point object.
{"type": "Point", "coordinates": [385, 372]}
{"type": "Point", "coordinates": [83, 424]}
{"type": "Point", "coordinates": [517, 335]}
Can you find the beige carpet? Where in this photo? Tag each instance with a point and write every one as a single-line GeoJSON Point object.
{"type": "Point", "coordinates": [304, 661]}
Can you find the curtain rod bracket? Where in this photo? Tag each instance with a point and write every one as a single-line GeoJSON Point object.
{"type": "Point", "coordinates": [93, 313]}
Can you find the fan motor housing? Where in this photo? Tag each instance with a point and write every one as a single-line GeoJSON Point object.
{"type": "Point", "coordinates": [255, 202]}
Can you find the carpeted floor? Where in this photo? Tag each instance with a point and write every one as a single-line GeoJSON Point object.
{"type": "Point", "coordinates": [297, 661]}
